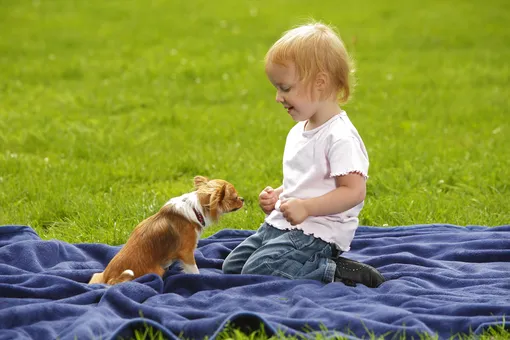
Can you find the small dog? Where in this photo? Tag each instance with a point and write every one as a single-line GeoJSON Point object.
{"type": "Point", "coordinates": [172, 233]}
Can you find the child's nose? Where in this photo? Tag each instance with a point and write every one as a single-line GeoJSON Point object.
{"type": "Point", "coordinates": [279, 97]}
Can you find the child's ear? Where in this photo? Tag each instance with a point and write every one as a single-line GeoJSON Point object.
{"type": "Point", "coordinates": [321, 81]}
{"type": "Point", "coordinates": [199, 181]}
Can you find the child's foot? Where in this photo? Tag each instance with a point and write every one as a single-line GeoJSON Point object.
{"type": "Point", "coordinates": [351, 272]}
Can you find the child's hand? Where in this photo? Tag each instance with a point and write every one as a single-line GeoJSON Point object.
{"type": "Point", "coordinates": [267, 199]}
{"type": "Point", "coordinates": [294, 211]}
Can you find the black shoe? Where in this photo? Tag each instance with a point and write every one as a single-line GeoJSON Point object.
{"type": "Point", "coordinates": [351, 272]}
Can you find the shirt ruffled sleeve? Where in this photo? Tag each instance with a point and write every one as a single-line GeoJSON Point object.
{"type": "Point", "coordinates": [347, 156]}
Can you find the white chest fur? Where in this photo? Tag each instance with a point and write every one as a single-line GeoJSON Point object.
{"type": "Point", "coordinates": [186, 205]}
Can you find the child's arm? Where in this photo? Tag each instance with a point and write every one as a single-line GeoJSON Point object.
{"type": "Point", "coordinates": [350, 191]}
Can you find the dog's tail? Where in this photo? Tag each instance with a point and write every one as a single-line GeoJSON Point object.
{"type": "Point", "coordinates": [127, 275]}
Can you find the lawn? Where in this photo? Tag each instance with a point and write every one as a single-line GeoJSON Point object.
{"type": "Point", "coordinates": [108, 108]}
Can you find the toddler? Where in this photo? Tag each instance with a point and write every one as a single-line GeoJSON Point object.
{"type": "Point", "coordinates": [312, 217]}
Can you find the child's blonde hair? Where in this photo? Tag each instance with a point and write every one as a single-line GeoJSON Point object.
{"type": "Point", "coordinates": [315, 48]}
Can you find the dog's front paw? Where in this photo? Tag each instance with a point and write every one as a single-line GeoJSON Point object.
{"type": "Point", "coordinates": [190, 268]}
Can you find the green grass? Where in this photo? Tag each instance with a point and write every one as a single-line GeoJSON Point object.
{"type": "Point", "coordinates": [108, 108]}
{"type": "Point", "coordinates": [232, 333]}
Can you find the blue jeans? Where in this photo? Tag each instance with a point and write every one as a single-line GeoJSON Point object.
{"type": "Point", "coordinates": [286, 253]}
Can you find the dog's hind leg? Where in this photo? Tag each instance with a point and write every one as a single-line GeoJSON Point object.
{"type": "Point", "coordinates": [97, 278]}
{"type": "Point", "coordinates": [126, 275]}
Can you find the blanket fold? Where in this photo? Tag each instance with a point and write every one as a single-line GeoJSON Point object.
{"type": "Point", "coordinates": [442, 279]}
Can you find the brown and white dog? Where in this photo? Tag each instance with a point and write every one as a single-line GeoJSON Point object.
{"type": "Point", "coordinates": [172, 233]}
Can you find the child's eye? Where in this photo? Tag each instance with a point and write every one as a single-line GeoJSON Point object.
{"type": "Point", "coordinates": [285, 89]}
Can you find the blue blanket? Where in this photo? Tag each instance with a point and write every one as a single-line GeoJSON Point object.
{"type": "Point", "coordinates": [442, 279]}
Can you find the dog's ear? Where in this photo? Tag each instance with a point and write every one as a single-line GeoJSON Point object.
{"type": "Point", "coordinates": [199, 181]}
{"type": "Point", "coordinates": [217, 196]}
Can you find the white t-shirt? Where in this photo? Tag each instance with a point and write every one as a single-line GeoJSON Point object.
{"type": "Point", "coordinates": [311, 160]}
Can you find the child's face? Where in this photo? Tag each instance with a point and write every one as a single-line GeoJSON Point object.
{"type": "Point", "coordinates": [292, 93]}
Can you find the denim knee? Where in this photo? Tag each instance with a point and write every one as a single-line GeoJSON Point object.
{"type": "Point", "coordinates": [237, 258]}
{"type": "Point", "coordinates": [228, 267]}
{"type": "Point", "coordinates": [293, 255]}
